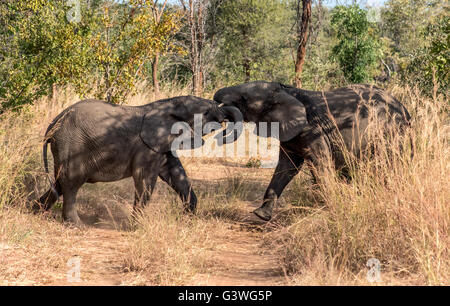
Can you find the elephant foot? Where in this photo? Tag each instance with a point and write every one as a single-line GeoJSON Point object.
{"type": "Point", "coordinates": [74, 221]}
{"type": "Point", "coordinates": [37, 207]}
{"type": "Point", "coordinates": [189, 209]}
{"type": "Point", "coordinates": [78, 224]}
{"type": "Point", "coordinates": [263, 214]}
{"type": "Point", "coordinates": [137, 213]}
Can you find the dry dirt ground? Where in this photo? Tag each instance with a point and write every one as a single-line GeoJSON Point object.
{"type": "Point", "coordinates": [238, 256]}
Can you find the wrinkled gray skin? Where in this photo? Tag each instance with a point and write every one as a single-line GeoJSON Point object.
{"type": "Point", "coordinates": [309, 122]}
{"type": "Point", "coordinates": [93, 141]}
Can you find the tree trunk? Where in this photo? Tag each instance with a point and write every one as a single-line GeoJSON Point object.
{"type": "Point", "coordinates": [193, 54]}
{"type": "Point", "coordinates": [54, 94]}
{"type": "Point", "coordinates": [200, 39]}
{"type": "Point", "coordinates": [197, 33]}
{"type": "Point", "coordinates": [155, 74]}
{"type": "Point", "coordinates": [246, 65]}
{"type": "Point", "coordinates": [303, 38]}
{"type": "Point", "coordinates": [157, 13]}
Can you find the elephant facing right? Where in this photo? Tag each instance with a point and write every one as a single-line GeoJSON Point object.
{"type": "Point", "coordinates": [94, 141]}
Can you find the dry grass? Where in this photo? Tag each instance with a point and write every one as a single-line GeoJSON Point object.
{"type": "Point", "coordinates": [395, 209]}
{"type": "Point", "coordinates": [170, 247]}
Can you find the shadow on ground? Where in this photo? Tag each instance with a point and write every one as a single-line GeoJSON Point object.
{"type": "Point", "coordinates": [229, 195]}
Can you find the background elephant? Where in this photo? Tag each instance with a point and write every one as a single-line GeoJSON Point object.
{"type": "Point", "coordinates": [309, 122]}
{"type": "Point", "coordinates": [93, 141]}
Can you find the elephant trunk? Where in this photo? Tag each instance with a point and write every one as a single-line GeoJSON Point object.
{"type": "Point", "coordinates": [233, 131]}
{"type": "Point", "coordinates": [233, 113]}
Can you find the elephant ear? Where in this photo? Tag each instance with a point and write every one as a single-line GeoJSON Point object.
{"type": "Point", "coordinates": [289, 112]}
{"type": "Point", "coordinates": [156, 131]}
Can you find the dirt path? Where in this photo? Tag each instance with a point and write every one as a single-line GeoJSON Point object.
{"type": "Point", "coordinates": [99, 253]}
{"type": "Point", "coordinates": [242, 265]}
{"type": "Point", "coordinates": [242, 260]}
{"type": "Point", "coordinates": [239, 259]}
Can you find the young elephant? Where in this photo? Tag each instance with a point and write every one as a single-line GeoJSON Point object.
{"type": "Point", "coordinates": [93, 141]}
{"type": "Point", "coordinates": [312, 124]}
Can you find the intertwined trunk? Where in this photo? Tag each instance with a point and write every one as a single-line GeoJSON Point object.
{"type": "Point", "coordinates": [303, 38]}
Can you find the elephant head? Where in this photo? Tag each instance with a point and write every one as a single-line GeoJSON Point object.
{"type": "Point", "coordinates": [266, 102]}
{"type": "Point", "coordinates": [161, 116]}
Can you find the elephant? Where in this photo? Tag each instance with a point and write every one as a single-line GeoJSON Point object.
{"type": "Point", "coordinates": [94, 141]}
{"type": "Point", "coordinates": [310, 123]}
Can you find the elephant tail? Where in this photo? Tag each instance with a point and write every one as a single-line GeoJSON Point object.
{"type": "Point", "coordinates": [411, 143]}
{"type": "Point", "coordinates": [413, 147]}
{"type": "Point", "coordinates": [411, 137]}
{"type": "Point", "coordinates": [44, 153]}
{"type": "Point", "coordinates": [51, 130]}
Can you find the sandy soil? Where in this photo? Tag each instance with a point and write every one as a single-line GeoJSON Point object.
{"type": "Point", "coordinates": [239, 258]}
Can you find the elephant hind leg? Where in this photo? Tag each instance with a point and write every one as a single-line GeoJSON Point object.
{"type": "Point", "coordinates": [49, 198]}
{"type": "Point", "coordinates": [70, 213]}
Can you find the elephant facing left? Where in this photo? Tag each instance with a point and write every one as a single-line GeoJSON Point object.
{"type": "Point", "coordinates": [94, 141]}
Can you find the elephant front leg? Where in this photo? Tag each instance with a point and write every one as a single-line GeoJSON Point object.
{"type": "Point", "coordinates": [288, 166]}
{"type": "Point", "coordinates": [174, 174]}
{"type": "Point", "coordinates": [144, 186]}
{"type": "Point", "coordinates": [317, 153]}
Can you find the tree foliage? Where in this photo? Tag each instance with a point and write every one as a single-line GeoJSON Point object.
{"type": "Point", "coordinates": [439, 52]}
{"type": "Point", "coordinates": [39, 50]}
{"type": "Point", "coordinates": [107, 46]}
{"type": "Point", "coordinates": [419, 36]}
{"type": "Point", "coordinates": [127, 36]}
{"type": "Point", "coordinates": [356, 48]}
{"type": "Point", "coordinates": [113, 46]}
{"type": "Point", "coordinates": [254, 39]}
